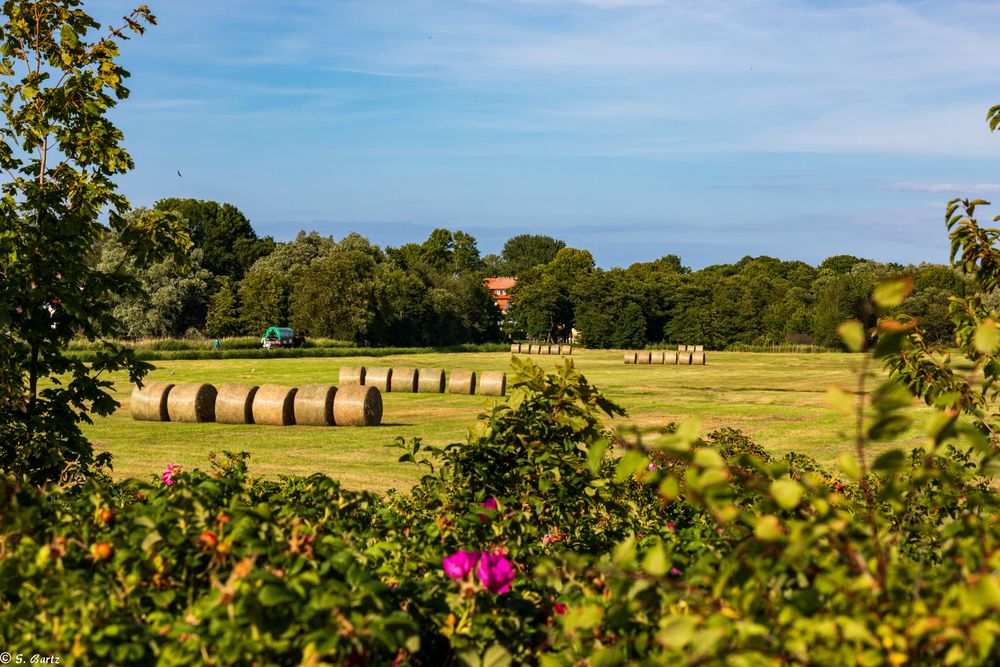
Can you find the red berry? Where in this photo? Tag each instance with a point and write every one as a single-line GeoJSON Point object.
{"type": "Point", "coordinates": [102, 550]}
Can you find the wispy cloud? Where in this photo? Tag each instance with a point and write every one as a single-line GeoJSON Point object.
{"type": "Point", "coordinates": [950, 188]}
{"type": "Point", "coordinates": [539, 114]}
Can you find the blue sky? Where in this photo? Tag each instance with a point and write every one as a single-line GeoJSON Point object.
{"type": "Point", "coordinates": [632, 128]}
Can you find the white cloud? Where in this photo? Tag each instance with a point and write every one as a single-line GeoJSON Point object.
{"type": "Point", "coordinates": [949, 188]}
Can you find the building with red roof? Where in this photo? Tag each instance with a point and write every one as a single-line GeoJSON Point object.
{"type": "Point", "coordinates": [500, 291]}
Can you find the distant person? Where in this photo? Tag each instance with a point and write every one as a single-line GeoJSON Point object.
{"type": "Point", "coordinates": [217, 344]}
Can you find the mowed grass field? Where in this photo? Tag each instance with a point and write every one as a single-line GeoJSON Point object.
{"type": "Point", "coordinates": [778, 399]}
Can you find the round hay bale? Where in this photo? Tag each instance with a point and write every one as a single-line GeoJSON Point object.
{"type": "Point", "coordinates": [149, 402]}
{"type": "Point", "coordinates": [192, 403]}
{"type": "Point", "coordinates": [682, 348]}
{"type": "Point", "coordinates": [630, 357]}
{"type": "Point", "coordinates": [697, 358]}
{"type": "Point", "coordinates": [642, 357]}
{"type": "Point", "coordinates": [380, 378]}
{"type": "Point", "coordinates": [357, 405]}
{"type": "Point", "coordinates": [430, 381]}
{"type": "Point", "coordinates": [462, 382]}
{"type": "Point", "coordinates": [515, 348]}
{"type": "Point", "coordinates": [656, 357]}
{"type": "Point", "coordinates": [234, 403]}
{"type": "Point", "coordinates": [314, 405]}
{"type": "Point", "coordinates": [670, 357]}
{"type": "Point", "coordinates": [566, 350]}
{"type": "Point", "coordinates": [699, 348]}
{"type": "Point", "coordinates": [684, 358]}
{"type": "Point", "coordinates": [352, 375]}
{"type": "Point", "coordinates": [405, 380]}
{"type": "Point", "coordinates": [274, 405]}
{"type": "Point", "coordinates": [493, 383]}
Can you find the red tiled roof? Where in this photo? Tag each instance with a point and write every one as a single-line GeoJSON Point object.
{"type": "Point", "coordinates": [500, 283]}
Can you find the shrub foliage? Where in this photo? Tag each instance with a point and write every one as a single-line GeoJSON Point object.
{"type": "Point", "coordinates": [681, 550]}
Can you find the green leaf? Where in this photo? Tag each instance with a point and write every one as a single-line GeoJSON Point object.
{"type": "Point", "coordinates": [889, 426]}
{"type": "Point", "coordinates": [707, 457]}
{"type": "Point", "coordinates": [655, 561]}
{"type": "Point", "coordinates": [848, 464]}
{"type": "Point", "coordinates": [670, 488]}
{"type": "Point", "coordinates": [68, 38]}
{"type": "Point", "coordinates": [894, 459]}
{"type": "Point", "coordinates": [853, 334]}
{"type": "Point", "coordinates": [687, 431]}
{"type": "Point", "coordinates": [152, 538]}
{"type": "Point", "coordinates": [596, 454]}
{"type": "Point", "coordinates": [987, 337]}
{"type": "Point", "coordinates": [841, 400]}
{"type": "Point", "coordinates": [939, 425]}
{"type": "Point", "coordinates": [768, 528]}
{"type": "Point", "coordinates": [985, 593]}
{"type": "Point", "coordinates": [496, 656]}
{"type": "Point", "coordinates": [787, 493]}
{"type": "Point", "coordinates": [624, 552]}
{"type": "Point", "coordinates": [272, 595]}
{"type": "Point", "coordinates": [629, 464]}
{"type": "Point", "coordinates": [584, 618]}
{"type": "Point", "coordinates": [891, 293]}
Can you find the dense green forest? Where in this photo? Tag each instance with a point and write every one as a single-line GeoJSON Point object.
{"type": "Point", "coordinates": [432, 293]}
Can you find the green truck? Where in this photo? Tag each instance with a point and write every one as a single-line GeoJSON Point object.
{"type": "Point", "coordinates": [281, 337]}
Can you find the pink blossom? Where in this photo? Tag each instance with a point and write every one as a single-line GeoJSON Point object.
{"type": "Point", "coordinates": [651, 466]}
{"type": "Point", "coordinates": [495, 572]}
{"type": "Point", "coordinates": [670, 526]}
{"type": "Point", "coordinates": [168, 474]}
{"type": "Point", "coordinates": [559, 608]}
{"type": "Point", "coordinates": [490, 504]}
{"type": "Point", "coordinates": [549, 538]}
{"type": "Point", "coordinates": [674, 571]}
{"type": "Point", "coordinates": [459, 563]}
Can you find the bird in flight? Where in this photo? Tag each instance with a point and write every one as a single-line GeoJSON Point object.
{"type": "Point", "coordinates": [180, 174]}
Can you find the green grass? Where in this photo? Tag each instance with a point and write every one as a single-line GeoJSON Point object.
{"type": "Point", "coordinates": [170, 349]}
{"type": "Point", "coordinates": [779, 399]}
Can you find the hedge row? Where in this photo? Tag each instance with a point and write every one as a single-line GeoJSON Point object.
{"type": "Point", "coordinates": [290, 353]}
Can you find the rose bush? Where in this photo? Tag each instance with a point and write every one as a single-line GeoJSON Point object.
{"type": "Point", "coordinates": [686, 550]}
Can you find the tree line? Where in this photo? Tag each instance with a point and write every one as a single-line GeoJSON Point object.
{"type": "Point", "coordinates": [432, 293]}
{"type": "Point", "coordinates": [755, 301]}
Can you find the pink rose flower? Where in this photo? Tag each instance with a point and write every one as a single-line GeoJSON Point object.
{"type": "Point", "coordinates": [490, 504]}
{"type": "Point", "coordinates": [495, 572]}
{"type": "Point", "coordinates": [459, 563]}
{"type": "Point", "coordinates": [168, 474]}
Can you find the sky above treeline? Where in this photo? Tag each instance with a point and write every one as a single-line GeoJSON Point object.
{"type": "Point", "coordinates": [632, 128]}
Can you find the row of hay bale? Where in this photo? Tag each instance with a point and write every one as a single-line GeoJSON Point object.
{"type": "Point", "coordinates": [669, 357]}
{"type": "Point", "coordinates": [690, 348]}
{"type": "Point", "coordinates": [425, 380]}
{"type": "Point", "coordinates": [532, 348]}
{"type": "Point", "coordinates": [270, 404]}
